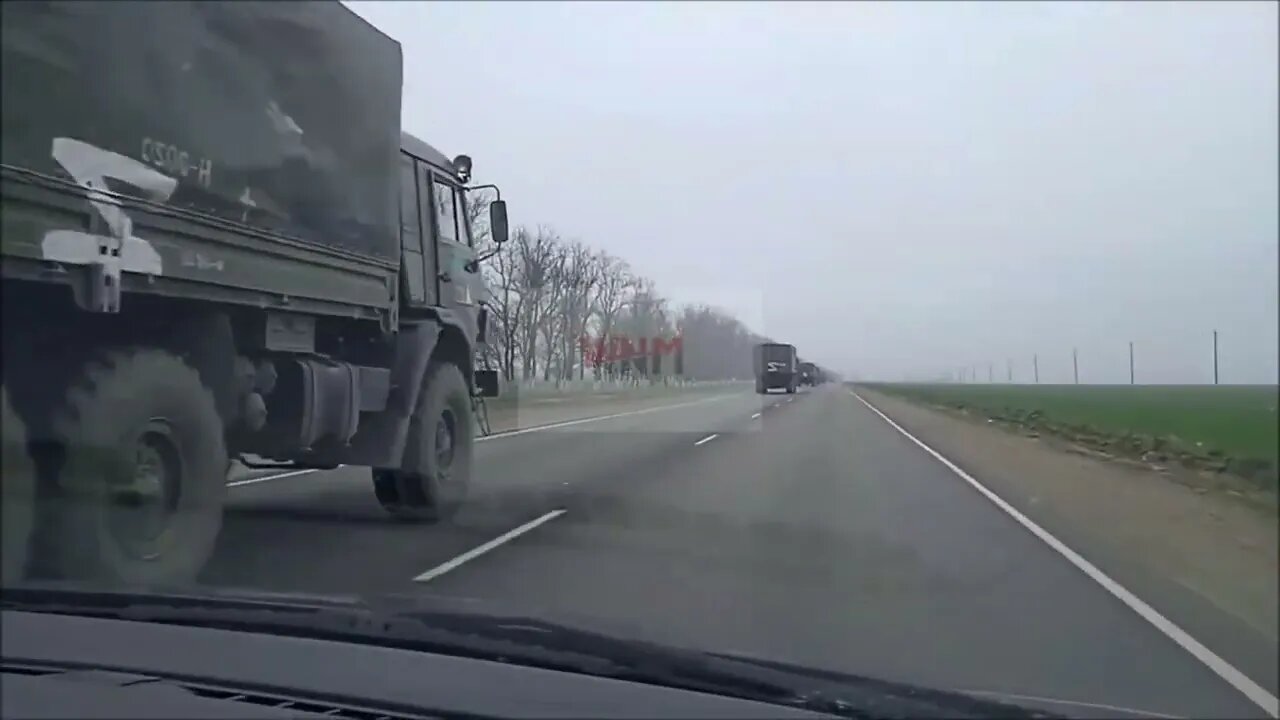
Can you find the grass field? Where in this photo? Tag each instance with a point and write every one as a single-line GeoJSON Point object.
{"type": "Point", "coordinates": [1229, 428]}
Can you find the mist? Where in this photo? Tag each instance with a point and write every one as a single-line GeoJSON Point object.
{"type": "Point", "coordinates": [903, 190]}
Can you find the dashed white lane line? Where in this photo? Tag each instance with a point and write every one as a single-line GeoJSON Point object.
{"type": "Point", "coordinates": [753, 417]}
{"type": "Point", "coordinates": [512, 433]}
{"type": "Point", "coordinates": [251, 481]}
{"type": "Point", "coordinates": [476, 552]}
{"type": "Point", "coordinates": [1241, 682]}
{"type": "Point", "coordinates": [707, 439]}
{"type": "Point", "coordinates": [598, 418]}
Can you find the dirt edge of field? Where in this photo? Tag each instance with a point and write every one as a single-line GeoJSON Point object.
{"type": "Point", "coordinates": [1223, 547]}
{"type": "Point", "coordinates": [1176, 461]}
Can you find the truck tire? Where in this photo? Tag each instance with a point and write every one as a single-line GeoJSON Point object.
{"type": "Point", "coordinates": [760, 388]}
{"type": "Point", "coordinates": [791, 389]}
{"type": "Point", "coordinates": [140, 495]}
{"type": "Point", "coordinates": [442, 434]}
{"type": "Point", "coordinates": [19, 488]}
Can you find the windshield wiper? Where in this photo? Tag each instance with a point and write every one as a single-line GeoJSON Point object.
{"type": "Point", "coordinates": [517, 640]}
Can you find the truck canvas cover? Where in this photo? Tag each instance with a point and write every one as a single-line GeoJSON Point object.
{"type": "Point", "coordinates": [280, 115]}
{"type": "Point", "coordinates": [775, 353]}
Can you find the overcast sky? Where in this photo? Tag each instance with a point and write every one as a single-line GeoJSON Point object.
{"type": "Point", "coordinates": [900, 189]}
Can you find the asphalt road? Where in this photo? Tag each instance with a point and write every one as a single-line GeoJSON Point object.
{"type": "Point", "coordinates": [801, 528]}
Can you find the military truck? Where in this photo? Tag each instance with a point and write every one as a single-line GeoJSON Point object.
{"type": "Point", "coordinates": [775, 367]}
{"type": "Point", "coordinates": [218, 243]}
{"type": "Point", "coordinates": [808, 374]}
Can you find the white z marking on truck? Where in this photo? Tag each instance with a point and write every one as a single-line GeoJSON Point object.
{"type": "Point", "coordinates": [90, 166]}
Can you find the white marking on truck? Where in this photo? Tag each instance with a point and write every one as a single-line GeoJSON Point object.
{"type": "Point", "coordinates": [91, 166]}
{"type": "Point", "coordinates": [176, 161]}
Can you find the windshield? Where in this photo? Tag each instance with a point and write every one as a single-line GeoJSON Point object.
{"type": "Point", "coordinates": [504, 305]}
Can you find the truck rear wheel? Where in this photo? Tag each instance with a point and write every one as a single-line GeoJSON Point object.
{"type": "Point", "coordinates": [140, 494]}
{"type": "Point", "coordinates": [433, 482]}
{"type": "Point", "coordinates": [19, 488]}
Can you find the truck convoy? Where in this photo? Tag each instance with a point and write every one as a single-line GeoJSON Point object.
{"type": "Point", "coordinates": [219, 243]}
{"type": "Point", "coordinates": [776, 366]}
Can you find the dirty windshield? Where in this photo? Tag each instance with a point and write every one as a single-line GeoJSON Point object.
{"type": "Point", "coordinates": [927, 342]}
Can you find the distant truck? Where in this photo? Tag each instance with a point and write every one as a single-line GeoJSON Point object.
{"type": "Point", "coordinates": [217, 242]}
{"type": "Point", "coordinates": [808, 374]}
{"type": "Point", "coordinates": [776, 366]}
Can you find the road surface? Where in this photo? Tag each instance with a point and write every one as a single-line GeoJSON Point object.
{"type": "Point", "coordinates": [802, 528]}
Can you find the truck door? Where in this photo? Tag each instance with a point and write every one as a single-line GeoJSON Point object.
{"type": "Point", "coordinates": [459, 285]}
{"type": "Point", "coordinates": [418, 277]}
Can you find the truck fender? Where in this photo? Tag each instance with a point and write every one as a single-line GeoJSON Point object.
{"type": "Point", "coordinates": [206, 343]}
{"type": "Point", "coordinates": [380, 440]}
{"type": "Point", "coordinates": [467, 327]}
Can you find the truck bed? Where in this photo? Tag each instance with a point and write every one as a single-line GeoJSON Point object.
{"type": "Point", "coordinates": [240, 151]}
{"type": "Point", "coordinates": [186, 255]}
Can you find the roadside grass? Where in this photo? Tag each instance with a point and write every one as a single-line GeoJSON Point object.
{"type": "Point", "coordinates": [1220, 428]}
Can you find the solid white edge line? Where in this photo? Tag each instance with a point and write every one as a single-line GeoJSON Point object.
{"type": "Point", "coordinates": [707, 439]}
{"type": "Point", "coordinates": [476, 552]}
{"type": "Point", "coordinates": [510, 433]}
{"type": "Point", "coordinates": [1241, 682]}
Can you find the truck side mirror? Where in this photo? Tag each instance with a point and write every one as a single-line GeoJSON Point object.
{"type": "Point", "coordinates": [498, 221]}
{"type": "Point", "coordinates": [487, 383]}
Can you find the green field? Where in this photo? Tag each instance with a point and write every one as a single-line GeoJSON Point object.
{"type": "Point", "coordinates": [1230, 428]}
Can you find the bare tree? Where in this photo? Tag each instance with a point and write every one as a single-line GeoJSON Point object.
{"type": "Point", "coordinates": [580, 274]}
{"type": "Point", "coordinates": [608, 298]}
{"type": "Point", "coordinates": [536, 253]}
{"type": "Point", "coordinates": [503, 276]}
{"type": "Point", "coordinates": [546, 295]}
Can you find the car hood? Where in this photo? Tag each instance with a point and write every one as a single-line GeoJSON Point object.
{"type": "Point", "coordinates": [598, 639]}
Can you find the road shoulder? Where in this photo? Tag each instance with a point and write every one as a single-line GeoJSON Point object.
{"type": "Point", "coordinates": [1207, 562]}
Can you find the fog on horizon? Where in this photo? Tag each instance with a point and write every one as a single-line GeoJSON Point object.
{"type": "Point", "coordinates": [900, 189]}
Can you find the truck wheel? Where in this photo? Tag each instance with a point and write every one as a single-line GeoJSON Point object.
{"type": "Point", "coordinates": [442, 435]}
{"type": "Point", "coordinates": [19, 488]}
{"type": "Point", "coordinates": [759, 388]}
{"type": "Point", "coordinates": [140, 494]}
{"type": "Point", "coordinates": [386, 488]}
{"type": "Point", "coordinates": [791, 389]}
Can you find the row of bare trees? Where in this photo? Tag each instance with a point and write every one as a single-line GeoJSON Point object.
{"type": "Point", "coordinates": [547, 292]}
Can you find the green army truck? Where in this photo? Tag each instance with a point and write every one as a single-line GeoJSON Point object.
{"type": "Point", "coordinates": [217, 242]}
{"type": "Point", "coordinates": [776, 366]}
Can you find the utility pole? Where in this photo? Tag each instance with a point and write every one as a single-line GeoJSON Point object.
{"type": "Point", "coordinates": [991, 377]}
{"type": "Point", "coordinates": [1130, 362]}
{"type": "Point", "coordinates": [1075, 365]}
{"type": "Point", "coordinates": [1035, 367]}
{"type": "Point", "coordinates": [1215, 357]}
{"type": "Point", "coordinates": [1010, 371]}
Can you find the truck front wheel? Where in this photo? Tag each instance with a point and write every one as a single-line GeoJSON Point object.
{"type": "Point", "coordinates": [139, 497]}
{"type": "Point", "coordinates": [433, 481]}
